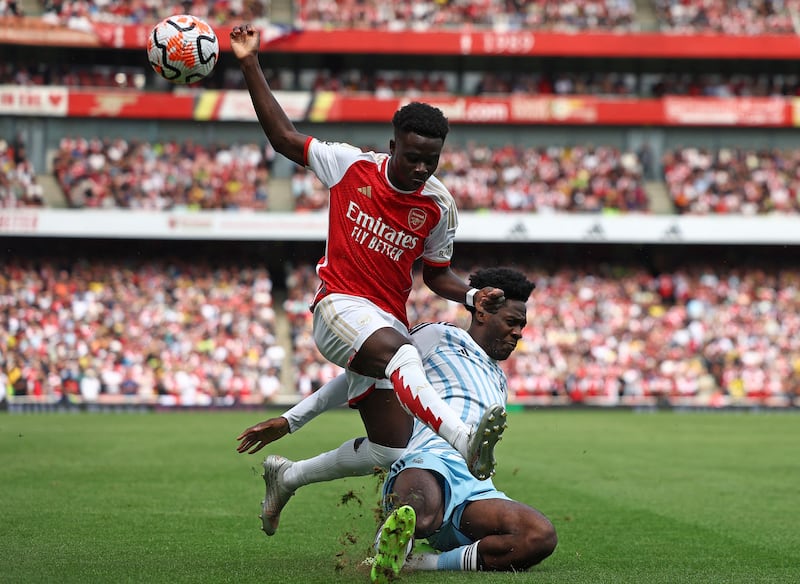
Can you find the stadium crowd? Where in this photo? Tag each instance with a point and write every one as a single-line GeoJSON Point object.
{"type": "Point", "coordinates": [80, 14]}
{"type": "Point", "coordinates": [193, 333]}
{"type": "Point", "coordinates": [373, 14]}
{"type": "Point", "coordinates": [584, 179]}
{"type": "Point", "coordinates": [733, 180]}
{"type": "Point", "coordinates": [18, 184]}
{"type": "Point", "coordinates": [737, 17]}
{"type": "Point", "coordinates": [388, 84]}
{"type": "Point", "coordinates": [172, 332]}
{"type": "Point", "coordinates": [741, 17]}
{"type": "Point", "coordinates": [103, 173]}
{"type": "Point", "coordinates": [497, 14]}
{"type": "Point", "coordinates": [707, 335]}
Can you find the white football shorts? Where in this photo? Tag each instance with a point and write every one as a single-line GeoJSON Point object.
{"type": "Point", "coordinates": [341, 325]}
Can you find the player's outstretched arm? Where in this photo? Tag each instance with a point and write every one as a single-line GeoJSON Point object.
{"type": "Point", "coordinates": [331, 395]}
{"type": "Point", "coordinates": [257, 437]}
{"type": "Point", "coordinates": [279, 129]}
{"type": "Point", "coordinates": [446, 283]}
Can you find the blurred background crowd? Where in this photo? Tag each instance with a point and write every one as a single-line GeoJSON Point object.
{"type": "Point", "coordinates": [200, 333]}
{"type": "Point", "coordinates": [209, 329]}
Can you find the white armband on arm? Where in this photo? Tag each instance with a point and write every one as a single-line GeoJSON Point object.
{"type": "Point", "coordinates": [331, 395]}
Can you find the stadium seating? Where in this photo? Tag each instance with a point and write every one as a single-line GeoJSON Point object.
{"type": "Point", "coordinates": [116, 173]}
{"type": "Point", "coordinates": [76, 12]}
{"type": "Point", "coordinates": [570, 111]}
{"type": "Point", "coordinates": [748, 18]}
{"type": "Point", "coordinates": [18, 184]}
{"type": "Point", "coordinates": [733, 181]}
{"type": "Point", "coordinates": [193, 333]}
{"type": "Point", "coordinates": [703, 336]}
{"type": "Point", "coordinates": [167, 332]}
{"type": "Point", "coordinates": [533, 14]}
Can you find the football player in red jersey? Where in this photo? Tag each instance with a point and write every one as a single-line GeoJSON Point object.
{"type": "Point", "coordinates": [385, 212]}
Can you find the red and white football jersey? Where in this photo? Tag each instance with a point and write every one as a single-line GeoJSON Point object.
{"type": "Point", "coordinates": [375, 231]}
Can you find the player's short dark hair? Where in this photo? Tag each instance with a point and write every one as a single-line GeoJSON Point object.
{"type": "Point", "coordinates": [513, 283]}
{"type": "Point", "coordinates": [421, 118]}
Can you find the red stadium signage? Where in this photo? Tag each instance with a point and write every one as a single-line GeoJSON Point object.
{"type": "Point", "coordinates": [568, 110]}
{"type": "Point", "coordinates": [33, 30]}
{"type": "Point", "coordinates": [329, 107]}
{"type": "Point", "coordinates": [192, 105]}
{"type": "Point", "coordinates": [584, 44]}
{"type": "Point", "coordinates": [130, 105]}
{"type": "Point", "coordinates": [759, 112]}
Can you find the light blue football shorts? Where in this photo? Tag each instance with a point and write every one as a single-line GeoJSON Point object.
{"type": "Point", "coordinates": [459, 487]}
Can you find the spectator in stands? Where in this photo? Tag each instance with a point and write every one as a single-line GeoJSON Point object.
{"type": "Point", "coordinates": [158, 176]}
{"type": "Point", "coordinates": [704, 335]}
{"type": "Point", "coordinates": [200, 334]}
{"type": "Point", "coordinates": [733, 181]}
{"type": "Point", "coordinates": [496, 14]}
{"type": "Point", "coordinates": [720, 16]}
{"type": "Point", "coordinates": [18, 184]}
{"type": "Point", "coordinates": [80, 13]}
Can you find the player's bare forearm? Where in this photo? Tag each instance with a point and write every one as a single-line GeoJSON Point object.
{"type": "Point", "coordinates": [258, 436]}
{"type": "Point", "coordinates": [277, 126]}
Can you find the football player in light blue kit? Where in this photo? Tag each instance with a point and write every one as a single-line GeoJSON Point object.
{"type": "Point", "coordinates": [430, 492]}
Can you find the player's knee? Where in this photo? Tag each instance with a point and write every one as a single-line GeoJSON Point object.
{"type": "Point", "coordinates": [427, 524]}
{"type": "Point", "coordinates": [539, 540]}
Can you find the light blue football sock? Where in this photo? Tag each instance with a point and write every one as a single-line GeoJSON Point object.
{"type": "Point", "coordinates": [464, 558]}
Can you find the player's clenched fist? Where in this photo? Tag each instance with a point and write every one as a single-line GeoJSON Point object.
{"type": "Point", "coordinates": [245, 41]}
{"type": "Point", "coordinates": [490, 299]}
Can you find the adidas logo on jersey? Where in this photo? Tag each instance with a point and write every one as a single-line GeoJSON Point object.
{"type": "Point", "coordinates": [366, 191]}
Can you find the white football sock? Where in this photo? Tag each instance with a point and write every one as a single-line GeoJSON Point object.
{"type": "Point", "coordinates": [346, 461]}
{"type": "Point", "coordinates": [420, 399]}
{"type": "Point", "coordinates": [422, 561]}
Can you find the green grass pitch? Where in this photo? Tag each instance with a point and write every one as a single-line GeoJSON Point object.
{"type": "Point", "coordinates": [635, 497]}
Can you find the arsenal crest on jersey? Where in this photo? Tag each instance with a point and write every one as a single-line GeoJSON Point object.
{"type": "Point", "coordinates": [416, 218]}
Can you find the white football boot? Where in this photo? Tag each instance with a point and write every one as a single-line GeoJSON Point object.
{"type": "Point", "coordinates": [276, 495]}
{"type": "Point", "coordinates": [485, 436]}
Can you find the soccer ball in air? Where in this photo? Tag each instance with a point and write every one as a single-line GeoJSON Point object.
{"type": "Point", "coordinates": [183, 49]}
